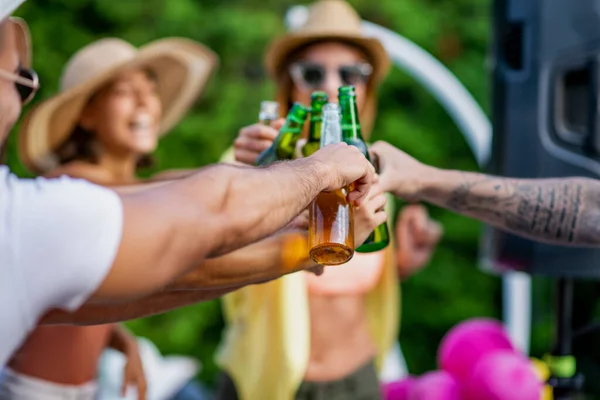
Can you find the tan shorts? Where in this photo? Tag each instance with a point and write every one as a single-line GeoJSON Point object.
{"type": "Point", "coordinates": [15, 386]}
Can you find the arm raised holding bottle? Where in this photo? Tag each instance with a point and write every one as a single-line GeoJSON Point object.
{"type": "Point", "coordinates": [252, 140]}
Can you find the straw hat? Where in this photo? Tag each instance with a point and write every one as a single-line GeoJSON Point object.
{"type": "Point", "coordinates": [329, 20]}
{"type": "Point", "coordinates": [182, 68]}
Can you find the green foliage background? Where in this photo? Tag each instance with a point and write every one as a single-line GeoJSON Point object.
{"type": "Point", "coordinates": [455, 31]}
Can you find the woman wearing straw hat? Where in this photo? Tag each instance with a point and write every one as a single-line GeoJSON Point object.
{"type": "Point", "coordinates": [115, 102]}
{"type": "Point", "coordinates": [324, 337]}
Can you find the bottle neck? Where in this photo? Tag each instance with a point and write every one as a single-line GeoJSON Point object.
{"type": "Point", "coordinates": [350, 122]}
{"type": "Point", "coordinates": [294, 122]}
{"type": "Point", "coordinates": [291, 128]}
{"type": "Point", "coordinates": [314, 133]}
{"type": "Point", "coordinates": [332, 132]}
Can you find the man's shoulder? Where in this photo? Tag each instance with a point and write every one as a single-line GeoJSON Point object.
{"type": "Point", "coordinates": [71, 225]}
{"type": "Point", "coordinates": [53, 196]}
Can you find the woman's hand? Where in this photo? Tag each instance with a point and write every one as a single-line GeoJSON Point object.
{"type": "Point", "coordinates": [133, 374]}
{"type": "Point", "coordinates": [134, 371]}
{"type": "Point", "coordinates": [369, 215]}
{"type": "Point", "coordinates": [416, 238]}
{"type": "Point", "coordinates": [254, 139]}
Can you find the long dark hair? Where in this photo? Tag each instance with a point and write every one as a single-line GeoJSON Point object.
{"type": "Point", "coordinates": [82, 146]}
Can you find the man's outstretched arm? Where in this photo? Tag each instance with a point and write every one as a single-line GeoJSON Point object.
{"type": "Point", "coordinates": [157, 303]}
{"type": "Point", "coordinates": [560, 211]}
{"type": "Point", "coordinates": [169, 229]}
{"type": "Point", "coordinates": [267, 259]}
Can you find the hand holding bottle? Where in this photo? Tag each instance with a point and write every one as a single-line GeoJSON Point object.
{"type": "Point", "coordinates": [346, 165]}
{"type": "Point", "coordinates": [370, 214]}
{"type": "Point", "coordinates": [254, 139]}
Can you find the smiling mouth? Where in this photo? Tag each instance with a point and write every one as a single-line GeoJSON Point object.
{"type": "Point", "coordinates": [142, 124]}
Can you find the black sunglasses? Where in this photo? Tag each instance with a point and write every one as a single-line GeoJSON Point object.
{"type": "Point", "coordinates": [312, 75]}
{"type": "Point", "coordinates": [26, 82]}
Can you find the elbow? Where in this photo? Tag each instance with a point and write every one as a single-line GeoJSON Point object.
{"type": "Point", "coordinates": [212, 224]}
{"type": "Point", "coordinates": [228, 224]}
{"type": "Point", "coordinates": [219, 219]}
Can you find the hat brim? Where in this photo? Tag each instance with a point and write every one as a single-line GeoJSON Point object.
{"type": "Point", "coordinates": [280, 49]}
{"type": "Point", "coordinates": [182, 69]}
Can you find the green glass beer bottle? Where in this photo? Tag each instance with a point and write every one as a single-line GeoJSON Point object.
{"type": "Point", "coordinates": [317, 101]}
{"type": "Point", "coordinates": [351, 134]}
{"type": "Point", "coordinates": [285, 143]}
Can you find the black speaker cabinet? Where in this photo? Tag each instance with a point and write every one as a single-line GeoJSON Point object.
{"type": "Point", "coordinates": [546, 116]}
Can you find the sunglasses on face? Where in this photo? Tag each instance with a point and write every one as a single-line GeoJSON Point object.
{"type": "Point", "coordinates": [26, 81]}
{"type": "Point", "coordinates": [313, 75]}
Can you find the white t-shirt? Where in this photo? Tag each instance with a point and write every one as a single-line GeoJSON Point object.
{"type": "Point", "coordinates": [58, 240]}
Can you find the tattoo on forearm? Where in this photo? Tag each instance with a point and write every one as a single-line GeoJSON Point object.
{"type": "Point", "coordinates": [555, 210]}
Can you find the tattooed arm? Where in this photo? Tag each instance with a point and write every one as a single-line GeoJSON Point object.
{"type": "Point", "coordinates": [559, 211]}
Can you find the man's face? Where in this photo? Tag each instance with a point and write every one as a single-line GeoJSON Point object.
{"type": "Point", "coordinates": [10, 102]}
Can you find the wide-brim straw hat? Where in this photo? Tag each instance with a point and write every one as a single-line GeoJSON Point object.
{"type": "Point", "coordinates": [181, 67]}
{"type": "Point", "coordinates": [329, 20]}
